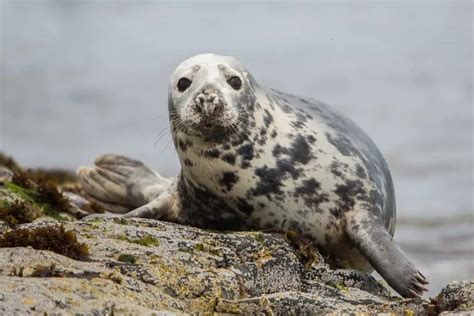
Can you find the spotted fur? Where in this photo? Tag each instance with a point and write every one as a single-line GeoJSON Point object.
{"type": "Point", "coordinates": [272, 160]}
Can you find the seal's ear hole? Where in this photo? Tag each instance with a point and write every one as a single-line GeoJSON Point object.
{"type": "Point", "coordinates": [235, 82]}
{"type": "Point", "coordinates": [183, 84]}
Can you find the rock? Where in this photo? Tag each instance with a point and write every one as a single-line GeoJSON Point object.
{"type": "Point", "coordinates": [144, 266]}
{"type": "Point", "coordinates": [457, 297]}
{"type": "Point", "coordinates": [141, 266]}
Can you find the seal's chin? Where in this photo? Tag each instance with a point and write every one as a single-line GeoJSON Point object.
{"type": "Point", "coordinates": [211, 132]}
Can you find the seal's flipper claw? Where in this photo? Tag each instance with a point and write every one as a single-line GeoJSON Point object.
{"type": "Point", "coordinates": [368, 233]}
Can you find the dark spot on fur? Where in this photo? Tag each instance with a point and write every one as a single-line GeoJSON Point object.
{"type": "Point", "coordinates": [212, 153]}
{"type": "Point", "coordinates": [360, 172]}
{"type": "Point", "coordinates": [274, 133]}
{"type": "Point", "coordinates": [228, 180]}
{"type": "Point", "coordinates": [246, 151]}
{"type": "Point", "coordinates": [342, 143]}
{"type": "Point", "coordinates": [297, 124]}
{"type": "Point", "coordinates": [335, 169]}
{"type": "Point", "coordinates": [244, 207]}
{"type": "Point", "coordinates": [286, 165]}
{"type": "Point", "coordinates": [245, 164]}
{"type": "Point", "coordinates": [205, 209]}
{"type": "Point", "coordinates": [300, 151]}
{"type": "Point", "coordinates": [267, 118]}
{"type": "Point", "coordinates": [311, 139]}
{"type": "Point", "coordinates": [310, 192]}
{"type": "Point", "coordinates": [229, 158]}
{"type": "Point", "coordinates": [188, 162]}
{"type": "Point", "coordinates": [237, 141]}
{"type": "Point", "coordinates": [270, 181]}
{"type": "Point", "coordinates": [278, 150]}
{"type": "Point", "coordinates": [287, 109]}
{"type": "Point", "coordinates": [184, 145]}
{"type": "Point", "coordinates": [308, 186]}
{"type": "Point", "coordinates": [348, 193]}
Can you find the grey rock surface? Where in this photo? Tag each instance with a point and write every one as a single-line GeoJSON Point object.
{"type": "Point", "coordinates": [142, 266]}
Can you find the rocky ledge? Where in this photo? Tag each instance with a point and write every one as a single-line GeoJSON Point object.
{"type": "Point", "coordinates": [52, 262]}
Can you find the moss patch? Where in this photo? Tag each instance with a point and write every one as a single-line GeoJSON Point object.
{"type": "Point", "coordinates": [122, 221]}
{"type": "Point", "coordinates": [127, 258]}
{"type": "Point", "coordinates": [147, 241]}
{"type": "Point", "coordinates": [40, 199]}
{"type": "Point", "coordinates": [54, 238]}
{"type": "Point", "coordinates": [39, 190]}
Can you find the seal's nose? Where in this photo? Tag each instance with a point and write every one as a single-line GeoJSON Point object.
{"type": "Point", "coordinates": [208, 103]}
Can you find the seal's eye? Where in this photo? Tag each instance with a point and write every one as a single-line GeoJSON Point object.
{"type": "Point", "coordinates": [183, 84]}
{"type": "Point", "coordinates": [235, 82]}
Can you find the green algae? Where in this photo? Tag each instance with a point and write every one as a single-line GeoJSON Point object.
{"type": "Point", "coordinates": [127, 258]}
{"type": "Point", "coordinates": [147, 241]}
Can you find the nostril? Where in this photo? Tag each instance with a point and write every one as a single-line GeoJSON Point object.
{"type": "Point", "coordinates": [218, 108]}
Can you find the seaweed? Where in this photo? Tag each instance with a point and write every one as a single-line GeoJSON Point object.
{"type": "Point", "coordinates": [17, 213]}
{"type": "Point", "coordinates": [54, 176]}
{"type": "Point", "coordinates": [303, 247]}
{"type": "Point", "coordinates": [41, 189]}
{"type": "Point", "coordinates": [8, 162]}
{"type": "Point", "coordinates": [42, 271]}
{"type": "Point", "coordinates": [53, 238]}
{"type": "Point", "coordinates": [17, 272]}
{"type": "Point", "coordinates": [37, 196]}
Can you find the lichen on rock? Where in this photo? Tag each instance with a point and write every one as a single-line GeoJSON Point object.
{"type": "Point", "coordinates": [194, 271]}
{"type": "Point", "coordinates": [62, 265]}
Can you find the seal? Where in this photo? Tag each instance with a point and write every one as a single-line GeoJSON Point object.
{"type": "Point", "coordinates": [257, 158]}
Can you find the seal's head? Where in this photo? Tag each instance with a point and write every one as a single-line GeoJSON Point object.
{"type": "Point", "coordinates": [210, 97]}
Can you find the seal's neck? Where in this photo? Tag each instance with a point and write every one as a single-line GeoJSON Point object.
{"type": "Point", "coordinates": [226, 167]}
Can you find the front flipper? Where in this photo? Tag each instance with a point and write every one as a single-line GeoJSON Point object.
{"type": "Point", "coordinates": [164, 207]}
{"type": "Point", "coordinates": [368, 233]}
{"type": "Point", "coordinates": [120, 184]}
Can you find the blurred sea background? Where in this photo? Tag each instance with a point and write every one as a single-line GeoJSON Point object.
{"type": "Point", "coordinates": [82, 78]}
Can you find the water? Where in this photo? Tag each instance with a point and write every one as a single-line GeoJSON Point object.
{"type": "Point", "coordinates": [84, 78]}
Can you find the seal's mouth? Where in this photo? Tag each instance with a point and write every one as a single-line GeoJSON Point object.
{"type": "Point", "coordinates": [212, 131]}
{"type": "Point", "coordinates": [208, 128]}
{"type": "Point", "coordinates": [208, 115]}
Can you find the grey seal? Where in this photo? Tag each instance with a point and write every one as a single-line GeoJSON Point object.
{"type": "Point", "coordinates": [257, 158]}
